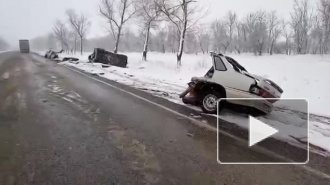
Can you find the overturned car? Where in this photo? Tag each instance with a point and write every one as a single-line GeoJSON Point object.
{"type": "Point", "coordinates": [228, 79]}
{"type": "Point", "coordinates": [105, 57]}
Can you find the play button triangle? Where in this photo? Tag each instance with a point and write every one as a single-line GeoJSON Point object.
{"type": "Point", "coordinates": [259, 131]}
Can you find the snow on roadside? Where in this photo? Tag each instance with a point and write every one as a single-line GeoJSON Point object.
{"type": "Point", "coordinates": [300, 76]}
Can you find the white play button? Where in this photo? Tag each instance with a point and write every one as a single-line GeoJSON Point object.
{"type": "Point", "coordinates": [259, 131]}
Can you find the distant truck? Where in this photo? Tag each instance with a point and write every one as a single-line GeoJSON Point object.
{"type": "Point", "coordinates": [24, 46]}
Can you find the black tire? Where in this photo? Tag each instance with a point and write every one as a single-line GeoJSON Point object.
{"type": "Point", "coordinates": [208, 98]}
{"type": "Point", "coordinates": [185, 101]}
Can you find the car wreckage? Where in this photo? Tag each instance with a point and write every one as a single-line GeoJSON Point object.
{"type": "Point", "coordinates": [50, 54]}
{"type": "Point", "coordinates": [106, 57]}
{"type": "Point", "coordinates": [229, 80]}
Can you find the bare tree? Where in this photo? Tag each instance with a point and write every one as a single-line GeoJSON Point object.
{"type": "Point", "coordinates": [191, 44]}
{"type": "Point", "coordinates": [117, 13]}
{"type": "Point", "coordinates": [220, 37]}
{"type": "Point", "coordinates": [80, 24]}
{"type": "Point", "coordinates": [173, 37]}
{"type": "Point", "coordinates": [182, 14]}
{"type": "Point", "coordinates": [73, 41]}
{"type": "Point", "coordinates": [287, 32]}
{"type": "Point", "coordinates": [256, 28]}
{"type": "Point", "coordinates": [241, 37]}
{"type": "Point", "coordinates": [61, 33]}
{"type": "Point", "coordinates": [150, 13]}
{"type": "Point", "coordinates": [301, 24]}
{"type": "Point", "coordinates": [274, 30]}
{"type": "Point", "coordinates": [316, 36]}
{"type": "Point", "coordinates": [204, 39]}
{"type": "Point", "coordinates": [324, 14]}
{"type": "Point", "coordinates": [231, 19]}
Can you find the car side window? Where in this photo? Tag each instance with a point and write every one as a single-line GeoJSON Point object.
{"type": "Point", "coordinates": [219, 65]}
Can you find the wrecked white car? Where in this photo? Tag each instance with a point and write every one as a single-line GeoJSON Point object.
{"type": "Point", "coordinates": [228, 79]}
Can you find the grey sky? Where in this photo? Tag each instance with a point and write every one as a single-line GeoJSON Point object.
{"type": "Point", "coordinates": [31, 18]}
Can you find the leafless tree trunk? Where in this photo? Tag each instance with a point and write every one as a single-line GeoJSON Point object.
{"type": "Point", "coordinates": [256, 31]}
{"type": "Point", "coordinates": [150, 13]}
{"type": "Point", "coordinates": [274, 30]}
{"type": "Point", "coordinates": [182, 14]}
{"type": "Point", "coordinates": [203, 39]}
{"type": "Point", "coordinates": [117, 13]}
{"type": "Point", "coordinates": [220, 37]}
{"type": "Point", "coordinates": [61, 33]}
{"type": "Point", "coordinates": [230, 22]}
{"type": "Point", "coordinates": [301, 24]}
{"type": "Point", "coordinates": [80, 24]}
{"type": "Point", "coordinates": [75, 43]}
{"type": "Point", "coordinates": [288, 35]}
{"type": "Point", "coordinates": [324, 12]}
{"type": "Point", "coordinates": [146, 42]}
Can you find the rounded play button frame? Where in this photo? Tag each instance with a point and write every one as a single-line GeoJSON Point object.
{"type": "Point", "coordinates": [260, 136]}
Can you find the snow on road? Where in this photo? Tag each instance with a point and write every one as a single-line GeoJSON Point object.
{"type": "Point", "coordinates": [304, 76]}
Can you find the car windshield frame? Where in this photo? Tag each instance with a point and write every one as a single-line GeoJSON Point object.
{"type": "Point", "coordinates": [216, 66]}
{"type": "Point", "coordinates": [235, 64]}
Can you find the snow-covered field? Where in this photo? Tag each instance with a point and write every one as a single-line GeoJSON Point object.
{"type": "Point", "coordinates": [304, 76]}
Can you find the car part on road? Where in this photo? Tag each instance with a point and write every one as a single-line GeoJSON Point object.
{"type": "Point", "coordinates": [70, 59]}
{"type": "Point", "coordinates": [105, 57]}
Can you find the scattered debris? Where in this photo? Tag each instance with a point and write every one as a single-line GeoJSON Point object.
{"type": "Point", "coordinates": [97, 74]}
{"type": "Point", "coordinates": [195, 116]}
{"type": "Point", "coordinates": [72, 62]}
{"type": "Point", "coordinates": [105, 66]}
{"type": "Point", "coordinates": [50, 54]}
{"type": "Point", "coordinates": [166, 94]}
{"type": "Point", "coordinates": [70, 59]}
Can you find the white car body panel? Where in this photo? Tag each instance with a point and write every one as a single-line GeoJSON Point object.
{"type": "Point", "coordinates": [231, 78]}
{"type": "Point", "coordinates": [238, 84]}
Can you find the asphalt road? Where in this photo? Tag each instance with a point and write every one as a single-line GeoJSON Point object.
{"type": "Point", "coordinates": [58, 126]}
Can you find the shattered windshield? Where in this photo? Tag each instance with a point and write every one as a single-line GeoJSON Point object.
{"type": "Point", "coordinates": [238, 67]}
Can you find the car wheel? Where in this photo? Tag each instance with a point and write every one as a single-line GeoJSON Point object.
{"type": "Point", "coordinates": [185, 101]}
{"type": "Point", "coordinates": [209, 103]}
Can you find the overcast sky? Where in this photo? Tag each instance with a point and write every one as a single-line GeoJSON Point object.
{"type": "Point", "coordinates": [30, 18]}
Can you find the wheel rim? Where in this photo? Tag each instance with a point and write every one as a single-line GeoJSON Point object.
{"type": "Point", "coordinates": [210, 102]}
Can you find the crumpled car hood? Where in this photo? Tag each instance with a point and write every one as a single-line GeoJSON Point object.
{"type": "Point", "coordinates": [260, 78]}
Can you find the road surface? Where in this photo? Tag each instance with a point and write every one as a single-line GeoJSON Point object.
{"type": "Point", "coordinates": [58, 126]}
